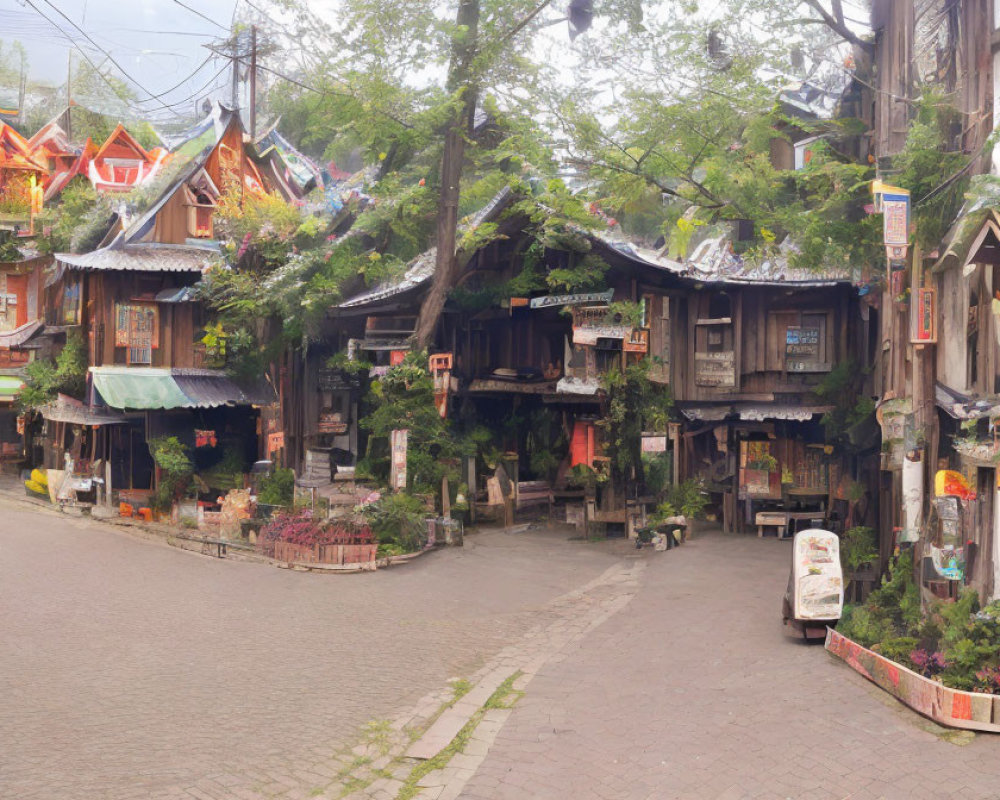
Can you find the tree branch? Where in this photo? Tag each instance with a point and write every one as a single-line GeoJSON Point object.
{"type": "Point", "coordinates": [839, 27]}
{"type": "Point", "coordinates": [520, 26]}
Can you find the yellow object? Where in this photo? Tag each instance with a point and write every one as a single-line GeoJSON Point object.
{"type": "Point", "coordinates": [949, 483]}
{"type": "Point", "coordinates": [39, 477]}
{"type": "Point", "coordinates": [36, 487]}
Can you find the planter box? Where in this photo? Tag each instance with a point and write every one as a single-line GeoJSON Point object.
{"type": "Point", "coordinates": [951, 707]}
{"type": "Point", "coordinates": [337, 554]}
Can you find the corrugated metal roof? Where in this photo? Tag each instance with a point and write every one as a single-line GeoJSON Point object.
{"type": "Point", "coordinates": [20, 335]}
{"type": "Point", "coordinates": [143, 258]}
{"type": "Point", "coordinates": [207, 388]}
{"type": "Point", "coordinates": [66, 409]}
{"type": "Point", "coordinates": [713, 260]}
{"type": "Point", "coordinates": [421, 269]}
{"type": "Point", "coordinates": [163, 388]}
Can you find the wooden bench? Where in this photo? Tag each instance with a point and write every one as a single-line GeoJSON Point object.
{"type": "Point", "coordinates": [532, 494]}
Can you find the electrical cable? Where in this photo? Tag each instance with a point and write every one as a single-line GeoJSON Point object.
{"type": "Point", "coordinates": [75, 44]}
{"type": "Point", "coordinates": [196, 11]}
{"type": "Point", "coordinates": [172, 88]}
{"type": "Point", "coordinates": [89, 39]}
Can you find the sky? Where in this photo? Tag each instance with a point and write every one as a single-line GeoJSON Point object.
{"type": "Point", "coordinates": [158, 43]}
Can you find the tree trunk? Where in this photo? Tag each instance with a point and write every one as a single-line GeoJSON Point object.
{"type": "Point", "coordinates": [460, 79]}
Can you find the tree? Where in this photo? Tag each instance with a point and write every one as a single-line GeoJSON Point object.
{"type": "Point", "coordinates": [365, 96]}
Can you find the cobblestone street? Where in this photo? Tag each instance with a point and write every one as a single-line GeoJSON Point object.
{"type": "Point", "coordinates": [132, 669]}
{"type": "Point", "coordinates": [129, 669]}
{"type": "Point", "coordinates": [697, 691]}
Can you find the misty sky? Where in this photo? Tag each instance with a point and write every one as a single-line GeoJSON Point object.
{"type": "Point", "coordinates": [158, 42]}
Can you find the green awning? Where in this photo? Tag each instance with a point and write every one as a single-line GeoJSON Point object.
{"type": "Point", "coordinates": [10, 386]}
{"type": "Point", "coordinates": [143, 387]}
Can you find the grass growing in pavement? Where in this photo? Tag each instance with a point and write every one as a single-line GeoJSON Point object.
{"type": "Point", "coordinates": [499, 699]}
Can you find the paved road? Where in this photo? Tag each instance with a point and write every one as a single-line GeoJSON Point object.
{"type": "Point", "coordinates": [695, 691]}
{"type": "Point", "coordinates": [130, 669]}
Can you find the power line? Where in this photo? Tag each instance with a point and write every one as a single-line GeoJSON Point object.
{"type": "Point", "coordinates": [196, 11]}
{"type": "Point", "coordinates": [83, 52]}
{"type": "Point", "coordinates": [101, 49]}
{"type": "Point", "coordinates": [189, 77]}
{"type": "Point", "coordinates": [201, 91]}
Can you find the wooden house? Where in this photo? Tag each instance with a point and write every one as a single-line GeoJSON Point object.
{"type": "Point", "coordinates": [762, 355]}
{"type": "Point", "coordinates": [134, 303]}
{"type": "Point", "coordinates": [51, 146]}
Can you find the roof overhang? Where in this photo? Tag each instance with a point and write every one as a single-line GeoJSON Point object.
{"type": "Point", "coordinates": [155, 388]}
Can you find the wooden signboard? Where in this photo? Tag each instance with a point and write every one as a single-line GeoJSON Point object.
{"type": "Point", "coordinates": [337, 380]}
{"type": "Point", "coordinates": [275, 442]}
{"type": "Point", "coordinates": [802, 349]}
{"type": "Point", "coordinates": [715, 369]}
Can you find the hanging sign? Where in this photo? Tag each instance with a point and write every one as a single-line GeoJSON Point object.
{"type": "Point", "coordinates": [275, 442]}
{"type": "Point", "coordinates": [397, 445]}
{"type": "Point", "coordinates": [550, 300]}
{"type": "Point", "coordinates": [926, 316]}
{"type": "Point", "coordinates": [894, 203]}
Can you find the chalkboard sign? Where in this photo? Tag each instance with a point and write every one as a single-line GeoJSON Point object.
{"type": "Point", "coordinates": [336, 380]}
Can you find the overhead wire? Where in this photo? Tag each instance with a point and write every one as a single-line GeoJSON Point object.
{"type": "Point", "coordinates": [111, 58]}
{"type": "Point", "coordinates": [76, 44]}
{"type": "Point", "coordinates": [199, 68]}
{"type": "Point", "coordinates": [203, 16]}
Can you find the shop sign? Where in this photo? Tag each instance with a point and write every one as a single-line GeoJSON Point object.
{"type": "Point", "coordinates": [550, 300]}
{"type": "Point", "coordinates": [337, 380]}
{"type": "Point", "coordinates": [275, 442]}
{"type": "Point", "coordinates": [654, 443]}
{"type": "Point", "coordinates": [331, 423]}
{"type": "Point", "coordinates": [637, 341]}
{"type": "Point", "coordinates": [205, 438]}
{"type": "Point", "coordinates": [589, 334]}
{"type": "Point", "coordinates": [397, 473]}
{"type": "Point", "coordinates": [715, 369]}
{"type": "Point", "coordinates": [926, 311]}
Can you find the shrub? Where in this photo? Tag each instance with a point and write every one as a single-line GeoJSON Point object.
{"type": "Point", "coordinates": [278, 489]}
{"type": "Point", "coordinates": [398, 519]}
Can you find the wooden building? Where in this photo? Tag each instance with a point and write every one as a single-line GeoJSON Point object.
{"type": "Point", "coordinates": [135, 305]}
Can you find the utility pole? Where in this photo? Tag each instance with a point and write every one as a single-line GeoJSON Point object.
{"type": "Point", "coordinates": [69, 94]}
{"type": "Point", "coordinates": [253, 83]}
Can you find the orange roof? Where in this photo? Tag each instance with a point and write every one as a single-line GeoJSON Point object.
{"type": "Point", "coordinates": [15, 152]}
{"type": "Point", "coordinates": [122, 138]}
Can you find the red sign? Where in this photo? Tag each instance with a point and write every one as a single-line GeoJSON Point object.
{"type": "Point", "coordinates": [396, 357]}
{"type": "Point", "coordinates": [926, 316]}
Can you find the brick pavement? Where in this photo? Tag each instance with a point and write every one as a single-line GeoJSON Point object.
{"type": "Point", "coordinates": [696, 691]}
{"type": "Point", "coordinates": [130, 669]}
